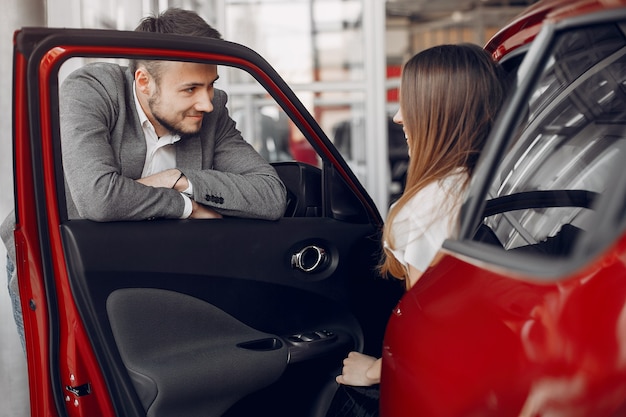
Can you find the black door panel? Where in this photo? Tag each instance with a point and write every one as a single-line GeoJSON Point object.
{"type": "Point", "coordinates": [254, 312]}
{"type": "Point", "coordinates": [188, 357]}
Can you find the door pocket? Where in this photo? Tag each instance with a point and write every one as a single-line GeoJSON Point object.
{"type": "Point", "coordinates": [186, 357]}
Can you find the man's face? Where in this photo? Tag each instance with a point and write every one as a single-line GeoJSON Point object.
{"type": "Point", "coordinates": [184, 92]}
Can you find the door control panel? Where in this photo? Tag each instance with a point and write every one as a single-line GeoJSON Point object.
{"type": "Point", "coordinates": [311, 344]}
{"type": "Point", "coordinates": [312, 337]}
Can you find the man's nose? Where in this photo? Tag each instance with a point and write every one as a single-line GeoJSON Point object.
{"type": "Point", "coordinates": [205, 103]}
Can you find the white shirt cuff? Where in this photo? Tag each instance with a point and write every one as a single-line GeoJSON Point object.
{"type": "Point", "coordinates": [188, 207]}
{"type": "Point", "coordinates": [189, 191]}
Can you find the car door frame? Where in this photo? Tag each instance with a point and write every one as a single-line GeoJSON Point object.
{"type": "Point", "coordinates": [59, 347]}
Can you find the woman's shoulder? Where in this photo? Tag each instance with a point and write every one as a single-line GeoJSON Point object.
{"type": "Point", "coordinates": [437, 196]}
{"type": "Point", "coordinates": [451, 185]}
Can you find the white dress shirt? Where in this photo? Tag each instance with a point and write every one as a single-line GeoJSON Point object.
{"type": "Point", "coordinates": [425, 221]}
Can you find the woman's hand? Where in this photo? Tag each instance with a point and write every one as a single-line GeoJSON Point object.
{"type": "Point", "coordinates": [360, 370]}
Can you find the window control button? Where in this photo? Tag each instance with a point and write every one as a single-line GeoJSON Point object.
{"type": "Point", "coordinates": [309, 337]}
{"type": "Point", "coordinates": [324, 334]}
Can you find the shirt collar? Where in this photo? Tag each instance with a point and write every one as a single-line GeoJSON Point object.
{"type": "Point", "coordinates": [145, 122]}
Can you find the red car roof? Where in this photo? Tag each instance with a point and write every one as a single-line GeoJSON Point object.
{"type": "Point", "coordinates": [523, 29]}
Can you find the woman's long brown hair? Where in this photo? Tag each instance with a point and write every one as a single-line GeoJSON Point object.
{"type": "Point", "coordinates": [449, 96]}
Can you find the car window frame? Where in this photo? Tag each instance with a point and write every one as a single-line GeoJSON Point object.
{"type": "Point", "coordinates": [79, 43]}
{"type": "Point", "coordinates": [39, 153]}
{"type": "Point", "coordinates": [592, 244]}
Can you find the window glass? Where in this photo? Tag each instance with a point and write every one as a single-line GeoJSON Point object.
{"type": "Point", "coordinates": [265, 125]}
{"type": "Point", "coordinates": [319, 48]}
{"type": "Point", "coordinates": [257, 115]}
{"type": "Point", "coordinates": [320, 56]}
{"type": "Point", "coordinates": [572, 140]}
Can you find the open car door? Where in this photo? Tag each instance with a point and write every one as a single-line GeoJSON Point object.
{"type": "Point", "coordinates": [229, 317]}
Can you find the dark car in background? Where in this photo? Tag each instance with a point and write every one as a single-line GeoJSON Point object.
{"type": "Point", "coordinates": [525, 314]}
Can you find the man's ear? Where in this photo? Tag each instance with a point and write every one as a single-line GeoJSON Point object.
{"type": "Point", "coordinates": [143, 80]}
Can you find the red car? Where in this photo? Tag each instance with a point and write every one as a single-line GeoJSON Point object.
{"type": "Point", "coordinates": [525, 315]}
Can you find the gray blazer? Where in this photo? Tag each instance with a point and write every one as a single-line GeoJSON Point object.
{"type": "Point", "coordinates": [103, 149]}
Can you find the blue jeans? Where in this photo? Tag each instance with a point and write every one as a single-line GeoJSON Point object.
{"type": "Point", "coordinates": [15, 299]}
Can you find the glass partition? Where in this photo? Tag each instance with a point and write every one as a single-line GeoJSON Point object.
{"type": "Point", "coordinates": [330, 52]}
{"type": "Point", "coordinates": [320, 48]}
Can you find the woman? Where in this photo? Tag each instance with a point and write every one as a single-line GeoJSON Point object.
{"type": "Point", "coordinates": [449, 97]}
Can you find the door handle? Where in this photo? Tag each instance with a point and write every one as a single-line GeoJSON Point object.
{"type": "Point", "coordinates": [309, 259]}
{"type": "Point", "coordinates": [262, 345]}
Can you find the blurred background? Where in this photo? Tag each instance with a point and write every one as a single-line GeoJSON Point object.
{"type": "Point", "coordinates": [342, 58]}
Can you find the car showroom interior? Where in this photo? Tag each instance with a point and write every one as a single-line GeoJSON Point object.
{"type": "Point", "coordinates": [342, 58]}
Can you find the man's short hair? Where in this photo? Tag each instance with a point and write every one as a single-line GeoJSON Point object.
{"type": "Point", "coordinates": [175, 21]}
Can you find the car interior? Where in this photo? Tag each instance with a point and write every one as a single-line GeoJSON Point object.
{"type": "Point", "coordinates": [568, 147]}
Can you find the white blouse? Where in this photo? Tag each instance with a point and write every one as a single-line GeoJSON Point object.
{"type": "Point", "coordinates": [429, 218]}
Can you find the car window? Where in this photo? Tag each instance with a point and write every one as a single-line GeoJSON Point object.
{"type": "Point", "coordinates": [258, 116]}
{"type": "Point", "coordinates": [264, 125]}
{"type": "Point", "coordinates": [571, 142]}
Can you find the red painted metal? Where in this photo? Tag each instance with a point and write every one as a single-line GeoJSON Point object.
{"type": "Point", "coordinates": [77, 361]}
{"type": "Point", "coordinates": [523, 29]}
{"type": "Point", "coordinates": [28, 257]}
{"type": "Point", "coordinates": [467, 341]}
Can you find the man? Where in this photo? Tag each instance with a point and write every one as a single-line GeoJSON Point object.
{"type": "Point", "coordinates": [155, 141]}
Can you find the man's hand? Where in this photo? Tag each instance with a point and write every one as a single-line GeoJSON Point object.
{"type": "Point", "coordinates": [360, 370]}
{"type": "Point", "coordinates": [173, 178]}
{"type": "Point", "coordinates": [170, 178]}
{"type": "Point", "coordinates": [199, 211]}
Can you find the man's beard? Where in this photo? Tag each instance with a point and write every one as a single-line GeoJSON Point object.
{"type": "Point", "coordinates": [167, 124]}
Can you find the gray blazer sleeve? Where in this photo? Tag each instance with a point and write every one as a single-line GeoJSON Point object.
{"type": "Point", "coordinates": [104, 149]}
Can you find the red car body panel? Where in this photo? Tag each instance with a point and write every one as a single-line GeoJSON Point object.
{"type": "Point", "coordinates": [523, 29]}
{"type": "Point", "coordinates": [480, 343]}
{"type": "Point", "coordinates": [78, 360]}
{"type": "Point", "coordinates": [29, 263]}
{"type": "Point", "coordinates": [474, 339]}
